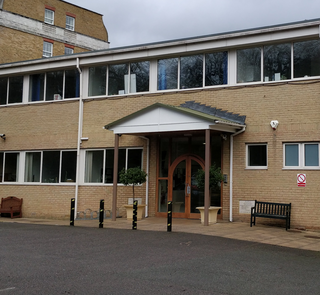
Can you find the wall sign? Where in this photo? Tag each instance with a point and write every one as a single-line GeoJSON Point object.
{"type": "Point", "coordinates": [301, 179]}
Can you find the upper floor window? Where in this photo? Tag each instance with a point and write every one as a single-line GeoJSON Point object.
{"type": "Point", "coordinates": [47, 49]}
{"type": "Point", "coordinates": [249, 65]}
{"type": "Point", "coordinates": [49, 16]}
{"type": "Point", "coordinates": [54, 85]}
{"type": "Point", "coordinates": [70, 21]}
{"type": "Point", "coordinates": [11, 90]}
{"type": "Point", "coordinates": [68, 50]}
{"type": "Point", "coordinates": [257, 156]}
{"type": "Point", "coordinates": [301, 155]}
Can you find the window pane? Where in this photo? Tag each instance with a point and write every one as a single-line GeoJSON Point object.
{"type": "Point", "coordinates": [291, 155]}
{"type": "Point", "coordinates": [139, 73]}
{"type": "Point", "coordinates": [3, 90]}
{"type": "Point", "coordinates": [116, 79]}
{"type": "Point", "coordinates": [11, 167]}
{"type": "Point", "coordinates": [311, 155]}
{"type": "Point", "coordinates": [50, 167]}
{"type": "Point", "coordinates": [257, 155]}
{"type": "Point", "coordinates": [54, 86]}
{"type": "Point", "coordinates": [68, 50]}
{"type": "Point", "coordinates": [216, 68]}
{"type": "Point", "coordinates": [277, 62]}
{"type": "Point", "coordinates": [249, 65]}
{"type": "Point", "coordinates": [94, 166]}
{"type": "Point", "coordinates": [36, 87]}
{"type": "Point", "coordinates": [306, 56]}
{"type": "Point", "coordinates": [109, 166]}
{"type": "Point", "coordinates": [134, 158]}
{"type": "Point", "coordinates": [48, 16]}
{"type": "Point", "coordinates": [69, 166]}
{"type": "Point", "coordinates": [122, 160]}
{"type": "Point", "coordinates": [32, 168]}
{"type": "Point", "coordinates": [163, 195]}
{"type": "Point", "coordinates": [70, 23]}
{"type": "Point", "coordinates": [47, 49]}
{"type": "Point", "coordinates": [191, 71]}
{"type": "Point", "coordinates": [168, 73]}
{"type": "Point", "coordinates": [15, 89]}
{"type": "Point", "coordinates": [164, 157]}
{"type": "Point", "coordinates": [72, 84]}
{"type": "Point", "coordinates": [97, 81]}
{"type": "Point", "coordinates": [1, 166]}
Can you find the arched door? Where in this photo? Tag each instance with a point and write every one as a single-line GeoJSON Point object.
{"type": "Point", "coordinates": [182, 189]}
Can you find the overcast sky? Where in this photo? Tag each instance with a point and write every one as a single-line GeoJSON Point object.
{"type": "Point", "coordinates": [132, 22]}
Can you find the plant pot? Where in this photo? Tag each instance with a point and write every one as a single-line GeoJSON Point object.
{"type": "Point", "coordinates": [213, 212]}
{"type": "Point", "coordinates": [140, 211]}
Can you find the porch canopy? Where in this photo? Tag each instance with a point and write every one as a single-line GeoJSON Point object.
{"type": "Point", "coordinates": [187, 117]}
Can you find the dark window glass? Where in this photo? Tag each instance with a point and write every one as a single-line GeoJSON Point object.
{"type": "Point", "coordinates": [50, 167]}
{"type": "Point", "coordinates": [54, 85]}
{"type": "Point", "coordinates": [292, 155]}
{"type": "Point", "coordinates": [249, 65]}
{"type": "Point", "coordinates": [164, 157]}
{"type": "Point", "coordinates": [134, 158]}
{"type": "Point", "coordinates": [32, 167]}
{"type": "Point", "coordinates": [69, 166]}
{"type": "Point", "coordinates": [1, 166]}
{"type": "Point", "coordinates": [191, 71]}
{"type": "Point", "coordinates": [109, 166]}
{"type": "Point", "coordinates": [168, 73]}
{"type": "Point", "coordinates": [97, 81]}
{"type": "Point", "coordinates": [11, 167]}
{"type": "Point", "coordinates": [139, 73]}
{"type": "Point", "coordinates": [306, 57]}
{"type": "Point", "coordinates": [3, 90]}
{"type": "Point", "coordinates": [15, 89]}
{"type": "Point", "coordinates": [36, 87]}
{"type": "Point", "coordinates": [72, 84]}
{"type": "Point", "coordinates": [117, 74]}
{"type": "Point", "coordinates": [216, 68]}
{"type": "Point", "coordinates": [257, 155]}
{"type": "Point", "coordinates": [311, 154]}
{"type": "Point", "coordinates": [277, 62]}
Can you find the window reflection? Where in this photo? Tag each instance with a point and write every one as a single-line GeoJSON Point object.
{"type": "Point", "coordinates": [54, 85]}
{"type": "Point", "coordinates": [97, 81]}
{"type": "Point", "coordinates": [116, 79]}
{"type": "Point", "coordinates": [15, 89]}
{"type": "Point", "coordinates": [168, 73]}
{"type": "Point", "coordinates": [191, 71]}
{"type": "Point", "coordinates": [216, 68]}
{"type": "Point", "coordinates": [249, 65]}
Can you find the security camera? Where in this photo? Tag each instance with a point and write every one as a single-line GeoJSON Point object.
{"type": "Point", "coordinates": [274, 124]}
{"type": "Point", "coordinates": [3, 136]}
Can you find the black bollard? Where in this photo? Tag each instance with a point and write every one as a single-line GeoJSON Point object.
{"type": "Point", "coordinates": [101, 213]}
{"type": "Point", "coordinates": [169, 227]}
{"type": "Point", "coordinates": [134, 215]}
{"type": "Point", "coordinates": [72, 212]}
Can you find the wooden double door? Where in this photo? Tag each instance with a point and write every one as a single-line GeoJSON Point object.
{"type": "Point", "coordinates": [182, 186]}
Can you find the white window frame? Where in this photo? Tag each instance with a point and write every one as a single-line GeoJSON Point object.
{"type": "Point", "coordinates": [301, 156]}
{"type": "Point", "coordinates": [247, 156]}
{"type": "Point", "coordinates": [70, 23]}
{"type": "Point", "coordinates": [47, 49]}
{"type": "Point", "coordinates": [68, 50]}
{"type": "Point", "coordinates": [83, 160]}
{"type": "Point", "coordinates": [49, 16]}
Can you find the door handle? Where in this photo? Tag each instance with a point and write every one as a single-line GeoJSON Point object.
{"type": "Point", "coordinates": [188, 189]}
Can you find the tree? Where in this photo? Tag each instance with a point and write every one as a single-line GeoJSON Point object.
{"type": "Point", "coordinates": [132, 176]}
{"type": "Point", "coordinates": [215, 177]}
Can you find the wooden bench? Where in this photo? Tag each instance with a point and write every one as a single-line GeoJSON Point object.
{"type": "Point", "coordinates": [271, 210]}
{"type": "Point", "coordinates": [11, 205]}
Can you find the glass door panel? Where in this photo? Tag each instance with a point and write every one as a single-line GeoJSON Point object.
{"type": "Point", "coordinates": [197, 194]}
{"type": "Point", "coordinates": [178, 188]}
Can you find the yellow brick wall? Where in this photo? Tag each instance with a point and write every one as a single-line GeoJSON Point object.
{"type": "Point", "coordinates": [25, 46]}
{"type": "Point", "coordinates": [295, 106]}
{"type": "Point", "coordinates": [86, 22]}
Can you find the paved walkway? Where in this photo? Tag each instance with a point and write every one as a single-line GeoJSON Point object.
{"type": "Point", "coordinates": [273, 235]}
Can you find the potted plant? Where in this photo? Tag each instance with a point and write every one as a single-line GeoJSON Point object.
{"type": "Point", "coordinates": [215, 179]}
{"type": "Point", "coordinates": [133, 176]}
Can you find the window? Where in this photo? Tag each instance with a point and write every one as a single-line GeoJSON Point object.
{"type": "Point", "coordinates": [301, 155]}
{"type": "Point", "coordinates": [97, 81]}
{"type": "Point", "coordinates": [99, 163]}
{"type": "Point", "coordinates": [49, 16]}
{"type": "Point", "coordinates": [54, 85]}
{"type": "Point", "coordinates": [50, 166]}
{"type": "Point", "coordinates": [191, 71]}
{"type": "Point", "coordinates": [168, 73]}
{"type": "Point", "coordinates": [216, 68]}
{"type": "Point", "coordinates": [11, 90]}
{"type": "Point", "coordinates": [306, 58]}
{"type": "Point", "coordinates": [68, 50]}
{"type": "Point", "coordinates": [9, 167]}
{"type": "Point", "coordinates": [249, 65]}
{"type": "Point", "coordinates": [257, 156]}
{"type": "Point", "coordinates": [116, 83]}
{"type": "Point", "coordinates": [70, 23]}
{"type": "Point", "coordinates": [47, 49]}
{"type": "Point", "coordinates": [277, 62]}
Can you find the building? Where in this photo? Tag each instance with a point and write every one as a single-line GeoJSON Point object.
{"type": "Point", "coordinates": [39, 28]}
{"type": "Point", "coordinates": [246, 101]}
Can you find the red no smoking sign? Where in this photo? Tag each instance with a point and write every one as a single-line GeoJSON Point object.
{"type": "Point", "coordinates": [301, 179]}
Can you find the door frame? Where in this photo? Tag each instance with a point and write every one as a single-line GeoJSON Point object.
{"type": "Point", "coordinates": [188, 158]}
